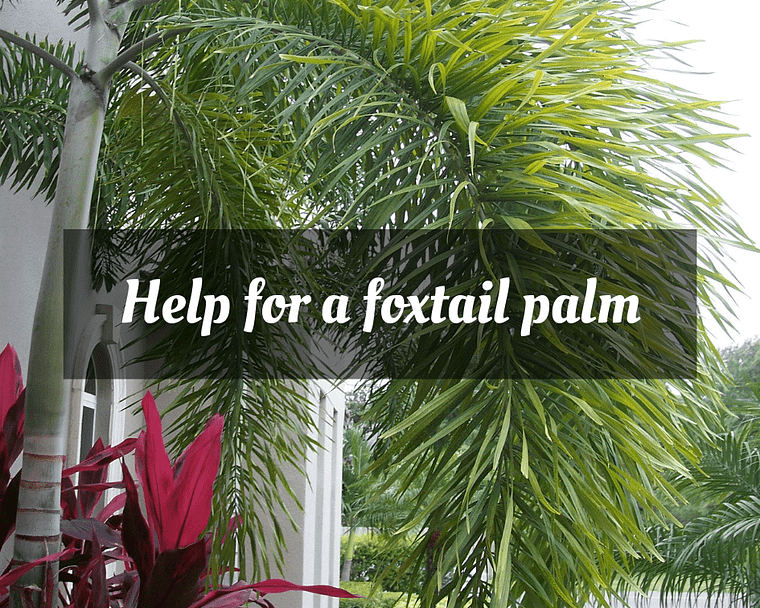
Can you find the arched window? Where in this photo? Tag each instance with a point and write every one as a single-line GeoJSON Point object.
{"type": "Point", "coordinates": [97, 391]}
{"type": "Point", "coordinates": [89, 409]}
{"type": "Point", "coordinates": [96, 401]}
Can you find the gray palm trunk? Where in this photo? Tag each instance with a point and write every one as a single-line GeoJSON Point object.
{"type": "Point", "coordinates": [345, 572]}
{"type": "Point", "coordinates": [47, 397]}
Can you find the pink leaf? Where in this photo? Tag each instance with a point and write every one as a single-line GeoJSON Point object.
{"type": "Point", "coordinates": [87, 529]}
{"type": "Point", "coordinates": [8, 505]}
{"type": "Point", "coordinates": [13, 427]}
{"type": "Point", "coordinates": [137, 537]}
{"type": "Point", "coordinates": [92, 590]}
{"type": "Point", "coordinates": [98, 576]}
{"type": "Point", "coordinates": [11, 411]}
{"type": "Point", "coordinates": [98, 461]}
{"type": "Point", "coordinates": [278, 585]}
{"type": "Point", "coordinates": [117, 503]}
{"type": "Point", "coordinates": [174, 581]}
{"type": "Point", "coordinates": [240, 592]}
{"type": "Point", "coordinates": [154, 469]}
{"type": "Point", "coordinates": [7, 579]}
{"type": "Point", "coordinates": [130, 601]}
{"type": "Point", "coordinates": [88, 494]}
{"type": "Point", "coordinates": [68, 499]}
{"type": "Point", "coordinates": [11, 383]}
{"type": "Point", "coordinates": [98, 487]}
{"type": "Point", "coordinates": [232, 597]}
{"type": "Point", "coordinates": [193, 489]}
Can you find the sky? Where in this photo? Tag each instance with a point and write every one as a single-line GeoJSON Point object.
{"type": "Point", "coordinates": [724, 68]}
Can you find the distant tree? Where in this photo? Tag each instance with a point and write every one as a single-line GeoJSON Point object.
{"type": "Point", "coordinates": [367, 501]}
{"type": "Point", "coordinates": [743, 364]}
{"type": "Point", "coordinates": [718, 552]}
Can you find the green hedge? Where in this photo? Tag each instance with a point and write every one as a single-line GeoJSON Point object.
{"type": "Point", "coordinates": [372, 557]}
{"type": "Point", "coordinates": [383, 599]}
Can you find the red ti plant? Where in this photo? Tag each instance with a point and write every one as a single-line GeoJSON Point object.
{"type": "Point", "coordinates": [160, 562]}
{"type": "Point", "coordinates": [178, 498]}
{"type": "Point", "coordinates": [11, 436]}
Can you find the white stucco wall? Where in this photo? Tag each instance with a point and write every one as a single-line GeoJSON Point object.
{"type": "Point", "coordinates": [39, 17]}
{"type": "Point", "coordinates": [313, 550]}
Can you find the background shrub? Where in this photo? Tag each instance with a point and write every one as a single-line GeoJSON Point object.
{"type": "Point", "coordinates": [381, 599]}
{"type": "Point", "coordinates": [371, 558]}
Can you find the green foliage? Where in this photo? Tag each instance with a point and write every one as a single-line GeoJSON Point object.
{"type": "Point", "coordinates": [381, 599]}
{"type": "Point", "coordinates": [717, 551]}
{"type": "Point", "coordinates": [367, 501]}
{"type": "Point", "coordinates": [743, 364]}
{"type": "Point", "coordinates": [376, 561]}
{"type": "Point", "coordinates": [32, 116]}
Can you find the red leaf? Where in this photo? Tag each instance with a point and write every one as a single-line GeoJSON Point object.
{"type": "Point", "coordinates": [48, 596]}
{"type": "Point", "coordinates": [99, 585]}
{"type": "Point", "coordinates": [215, 599]}
{"type": "Point", "coordinates": [11, 383]}
{"type": "Point", "coordinates": [100, 487]}
{"type": "Point", "coordinates": [89, 494]}
{"type": "Point", "coordinates": [173, 583]}
{"type": "Point", "coordinates": [130, 601]}
{"type": "Point", "coordinates": [102, 459]}
{"type": "Point", "coordinates": [87, 529]}
{"type": "Point", "coordinates": [7, 579]}
{"type": "Point", "coordinates": [13, 428]}
{"type": "Point", "coordinates": [68, 499]}
{"type": "Point", "coordinates": [155, 471]}
{"type": "Point", "coordinates": [91, 589]}
{"type": "Point", "coordinates": [11, 412]}
{"type": "Point", "coordinates": [193, 489]}
{"type": "Point", "coordinates": [238, 594]}
{"type": "Point", "coordinates": [136, 536]}
{"type": "Point", "coordinates": [5, 467]}
{"type": "Point", "coordinates": [8, 505]}
{"type": "Point", "coordinates": [231, 597]}
{"type": "Point", "coordinates": [178, 508]}
{"type": "Point", "coordinates": [278, 585]}
{"type": "Point", "coordinates": [117, 503]}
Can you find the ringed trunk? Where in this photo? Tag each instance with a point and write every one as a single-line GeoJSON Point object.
{"type": "Point", "coordinates": [48, 394]}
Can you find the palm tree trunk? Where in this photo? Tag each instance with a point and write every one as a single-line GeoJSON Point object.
{"type": "Point", "coordinates": [47, 397]}
{"type": "Point", "coordinates": [345, 571]}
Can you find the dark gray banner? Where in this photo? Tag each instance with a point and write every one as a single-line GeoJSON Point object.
{"type": "Point", "coordinates": [424, 304]}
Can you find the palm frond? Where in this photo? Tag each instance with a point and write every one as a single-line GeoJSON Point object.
{"type": "Point", "coordinates": [32, 115]}
{"type": "Point", "coordinates": [717, 553]}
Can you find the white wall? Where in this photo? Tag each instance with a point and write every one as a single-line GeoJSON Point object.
{"type": "Point", "coordinates": [39, 17]}
{"type": "Point", "coordinates": [313, 550]}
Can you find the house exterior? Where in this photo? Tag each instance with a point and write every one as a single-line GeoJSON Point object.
{"type": "Point", "coordinates": [99, 397]}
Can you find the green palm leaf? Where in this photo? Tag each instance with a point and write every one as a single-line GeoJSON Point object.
{"type": "Point", "coordinates": [716, 553]}
{"type": "Point", "coordinates": [32, 116]}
